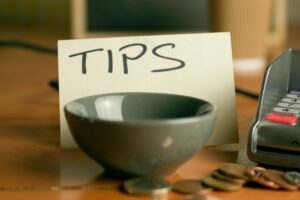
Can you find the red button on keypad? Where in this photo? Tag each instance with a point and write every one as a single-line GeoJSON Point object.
{"type": "Point", "coordinates": [282, 118]}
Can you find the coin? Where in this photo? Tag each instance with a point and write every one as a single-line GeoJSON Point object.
{"type": "Point", "coordinates": [190, 186]}
{"type": "Point", "coordinates": [219, 175]}
{"type": "Point", "coordinates": [253, 172]}
{"type": "Point", "coordinates": [292, 177]}
{"type": "Point", "coordinates": [147, 186]}
{"type": "Point", "coordinates": [262, 180]}
{"type": "Point", "coordinates": [234, 170]}
{"type": "Point", "coordinates": [277, 177]}
{"type": "Point", "coordinates": [220, 184]}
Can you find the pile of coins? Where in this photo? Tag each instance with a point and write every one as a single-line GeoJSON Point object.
{"type": "Point", "coordinates": [227, 177]}
{"type": "Point", "coordinates": [232, 177]}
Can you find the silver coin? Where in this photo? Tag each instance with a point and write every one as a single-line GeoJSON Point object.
{"type": "Point", "coordinates": [292, 177]}
{"type": "Point", "coordinates": [147, 186]}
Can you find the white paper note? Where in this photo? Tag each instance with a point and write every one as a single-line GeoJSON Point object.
{"type": "Point", "coordinates": [198, 65]}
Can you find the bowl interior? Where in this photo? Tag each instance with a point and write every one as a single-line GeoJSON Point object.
{"type": "Point", "coordinates": [138, 106]}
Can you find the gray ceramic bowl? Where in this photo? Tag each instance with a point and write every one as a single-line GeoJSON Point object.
{"type": "Point", "coordinates": [140, 134]}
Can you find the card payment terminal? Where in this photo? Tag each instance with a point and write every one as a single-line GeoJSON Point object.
{"type": "Point", "coordinates": [274, 137]}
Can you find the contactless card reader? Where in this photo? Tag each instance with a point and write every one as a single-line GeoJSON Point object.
{"type": "Point", "coordinates": [274, 137]}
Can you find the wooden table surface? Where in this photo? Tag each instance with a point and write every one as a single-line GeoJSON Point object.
{"type": "Point", "coordinates": [32, 164]}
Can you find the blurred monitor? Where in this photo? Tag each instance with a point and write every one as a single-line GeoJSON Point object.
{"type": "Point", "coordinates": [102, 18]}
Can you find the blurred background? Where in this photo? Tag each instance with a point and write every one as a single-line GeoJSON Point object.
{"type": "Point", "coordinates": [260, 30]}
{"type": "Point", "coordinates": [35, 14]}
{"type": "Point", "coordinates": [84, 18]}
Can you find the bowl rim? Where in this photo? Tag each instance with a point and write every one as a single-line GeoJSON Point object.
{"type": "Point", "coordinates": [180, 120]}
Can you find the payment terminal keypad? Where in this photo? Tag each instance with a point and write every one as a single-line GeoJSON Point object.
{"type": "Point", "coordinates": [287, 110]}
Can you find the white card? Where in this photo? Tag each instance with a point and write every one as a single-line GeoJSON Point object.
{"type": "Point", "coordinates": [198, 65]}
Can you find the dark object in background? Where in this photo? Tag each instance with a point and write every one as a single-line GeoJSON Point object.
{"type": "Point", "coordinates": [147, 15]}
